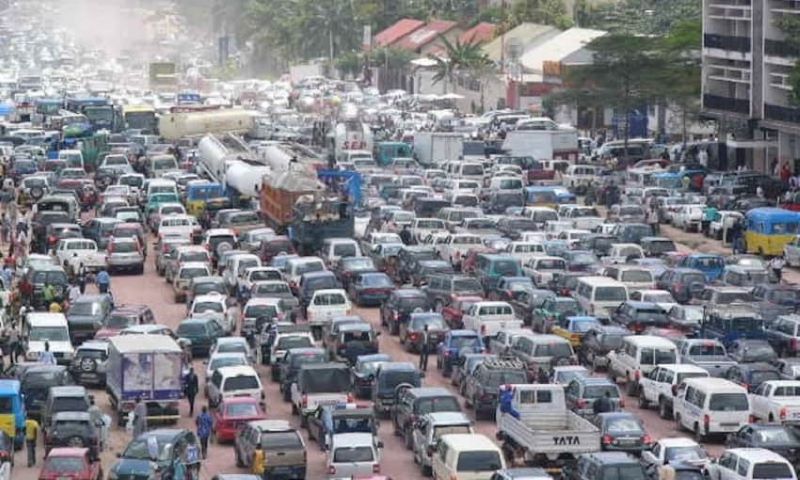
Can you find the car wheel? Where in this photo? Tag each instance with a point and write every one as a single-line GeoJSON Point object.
{"type": "Point", "coordinates": [409, 439]}
{"type": "Point", "coordinates": [663, 411]}
{"type": "Point", "coordinates": [699, 437]}
{"type": "Point", "coordinates": [642, 399]}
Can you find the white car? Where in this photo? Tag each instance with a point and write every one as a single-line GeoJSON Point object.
{"type": "Point", "coordinates": [353, 455]}
{"type": "Point", "coordinates": [689, 217]}
{"type": "Point", "coordinates": [674, 450]}
{"type": "Point", "coordinates": [213, 305]}
{"type": "Point", "coordinates": [662, 298]}
{"type": "Point", "coordinates": [223, 359]}
{"type": "Point", "coordinates": [777, 401]}
{"type": "Point", "coordinates": [725, 221]}
{"type": "Point", "coordinates": [236, 381]}
{"type": "Point", "coordinates": [326, 304]}
{"type": "Point", "coordinates": [76, 253]}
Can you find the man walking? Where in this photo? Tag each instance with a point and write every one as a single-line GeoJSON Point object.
{"type": "Point", "coordinates": [652, 220]}
{"type": "Point", "coordinates": [46, 357]}
{"type": "Point", "coordinates": [139, 418]}
{"type": "Point", "coordinates": [31, 436]}
{"type": "Point", "coordinates": [776, 264]}
{"type": "Point", "coordinates": [103, 281]}
{"type": "Point", "coordinates": [204, 423]}
{"type": "Point", "coordinates": [423, 350]}
{"type": "Point", "coordinates": [191, 390]}
{"type": "Point", "coordinates": [603, 404]}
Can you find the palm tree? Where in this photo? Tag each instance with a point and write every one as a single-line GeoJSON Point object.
{"type": "Point", "coordinates": [467, 57]}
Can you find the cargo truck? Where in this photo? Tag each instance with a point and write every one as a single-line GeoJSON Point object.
{"type": "Point", "coordinates": [534, 424]}
{"type": "Point", "coordinates": [434, 148]}
{"type": "Point", "coordinates": [149, 367]}
{"type": "Point", "coordinates": [543, 144]}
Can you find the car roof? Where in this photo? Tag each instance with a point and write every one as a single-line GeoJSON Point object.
{"type": "Point", "coordinates": [68, 391]}
{"type": "Point", "coordinates": [448, 418]}
{"type": "Point", "coordinates": [469, 441]}
{"type": "Point", "coordinates": [68, 452]}
{"type": "Point", "coordinates": [758, 454]}
{"type": "Point", "coordinates": [79, 416]}
{"type": "Point", "coordinates": [272, 426]}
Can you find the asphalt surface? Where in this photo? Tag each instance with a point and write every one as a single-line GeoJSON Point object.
{"type": "Point", "coordinates": [396, 461]}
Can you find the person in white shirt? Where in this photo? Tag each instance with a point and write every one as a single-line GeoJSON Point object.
{"type": "Point", "coordinates": [46, 357]}
{"type": "Point", "coordinates": [74, 293]}
{"type": "Point", "coordinates": [777, 264]}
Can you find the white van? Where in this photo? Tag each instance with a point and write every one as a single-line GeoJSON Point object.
{"type": "Point", "coordinates": [326, 304]}
{"type": "Point", "coordinates": [466, 456]}
{"type": "Point", "coordinates": [473, 170]}
{"type": "Point", "coordinates": [638, 356]}
{"type": "Point", "coordinates": [234, 381]}
{"type": "Point", "coordinates": [161, 164]}
{"type": "Point", "coordinates": [334, 249]}
{"type": "Point", "coordinates": [750, 464]}
{"type": "Point", "coordinates": [353, 455]}
{"type": "Point", "coordinates": [161, 185]}
{"type": "Point", "coordinates": [711, 405]}
{"type": "Point", "coordinates": [578, 177]}
{"type": "Point", "coordinates": [600, 295]}
{"type": "Point", "coordinates": [74, 158]}
{"type": "Point", "coordinates": [52, 328]}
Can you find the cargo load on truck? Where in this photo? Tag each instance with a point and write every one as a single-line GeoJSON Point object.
{"type": "Point", "coordinates": [193, 122]}
{"type": "Point", "coordinates": [543, 144]}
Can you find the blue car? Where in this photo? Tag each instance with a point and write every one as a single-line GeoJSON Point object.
{"type": "Point", "coordinates": [454, 341]}
{"type": "Point", "coordinates": [711, 265]}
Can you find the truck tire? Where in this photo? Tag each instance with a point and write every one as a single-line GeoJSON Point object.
{"type": "Point", "coordinates": [663, 410]}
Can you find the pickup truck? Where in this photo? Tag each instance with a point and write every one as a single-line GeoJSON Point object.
{"type": "Point", "coordinates": [658, 387]}
{"type": "Point", "coordinates": [777, 401]}
{"type": "Point", "coordinates": [706, 353]}
{"type": "Point", "coordinates": [622, 253]}
{"type": "Point", "coordinates": [542, 269]}
{"type": "Point", "coordinates": [488, 318]}
{"type": "Point", "coordinates": [456, 246]}
{"type": "Point", "coordinates": [74, 253]}
{"type": "Point", "coordinates": [320, 384]}
{"type": "Point", "coordinates": [534, 423]}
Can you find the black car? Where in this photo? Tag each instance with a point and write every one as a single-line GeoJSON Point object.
{"type": "Point", "coordinates": [441, 289]}
{"type": "Point", "coordinates": [512, 227]}
{"type": "Point", "coordinates": [36, 382]}
{"type": "Point", "coordinates": [291, 364]}
{"type": "Point", "coordinates": [482, 385]}
{"type": "Point", "coordinates": [202, 332]}
{"type": "Point", "coordinates": [73, 429]}
{"type": "Point", "coordinates": [751, 351]}
{"type": "Point", "coordinates": [172, 444]}
{"type": "Point", "coordinates": [401, 303]}
{"type": "Point", "coordinates": [388, 376]}
{"type": "Point", "coordinates": [424, 269]}
{"type": "Point", "coordinates": [408, 259]}
{"type": "Point", "coordinates": [347, 267]}
{"type": "Point", "coordinates": [751, 375]}
{"type": "Point", "coordinates": [637, 316]}
{"type": "Point", "coordinates": [598, 243]}
{"type": "Point", "coordinates": [622, 432]}
{"type": "Point", "coordinates": [604, 466]}
{"type": "Point", "coordinates": [313, 281]}
{"type": "Point", "coordinates": [411, 403]}
{"type": "Point", "coordinates": [598, 342]}
{"type": "Point", "coordinates": [781, 439]}
{"type": "Point", "coordinates": [88, 314]}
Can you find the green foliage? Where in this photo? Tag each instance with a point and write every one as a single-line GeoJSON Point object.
{"type": "Point", "coordinates": [790, 25]}
{"type": "Point", "coordinates": [349, 63]}
{"type": "Point", "coordinates": [646, 17]}
{"type": "Point", "coordinates": [467, 57]}
{"type": "Point", "coordinates": [548, 12]}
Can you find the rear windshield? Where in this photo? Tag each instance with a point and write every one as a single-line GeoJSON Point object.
{"type": "Point", "coordinates": [636, 276]}
{"type": "Point", "coordinates": [242, 382]}
{"type": "Point", "coordinates": [553, 350]}
{"type": "Point", "coordinates": [467, 285]}
{"type": "Point", "coordinates": [728, 402]}
{"type": "Point", "coordinates": [772, 470]}
{"type": "Point", "coordinates": [353, 455]}
{"type": "Point", "coordinates": [651, 356]}
{"type": "Point", "coordinates": [479, 461]}
{"type": "Point", "coordinates": [436, 404]}
{"type": "Point", "coordinates": [255, 311]}
{"type": "Point", "coordinates": [597, 391]}
{"type": "Point", "coordinates": [622, 472]}
{"type": "Point", "coordinates": [326, 381]}
{"type": "Point", "coordinates": [276, 440]}
{"type": "Point", "coordinates": [70, 404]}
{"type": "Point", "coordinates": [710, 350]}
{"type": "Point", "coordinates": [610, 294]}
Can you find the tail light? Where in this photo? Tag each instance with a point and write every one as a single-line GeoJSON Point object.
{"type": "Point", "coordinates": [582, 403]}
{"type": "Point", "coordinates": [414, 337]}
{"type": "Point", "coordinates": [331, 470]}
{"type": "Point", "coordinates": [706, 421]}
{"type": "Point", "coordinates": [376, 468]}
{"type": "Point", "coordinates": [647, 440]}
{"type": "Point", "coordinates": [350, 398]}
{"type": "Point", "coordinates": [607, 440]}
{"type": "Point", "coordinates": [794, 344]}
{"type": "Point", "coordinates": [305, 401]}
{"type": "Point", "coordinates": [784, 413]}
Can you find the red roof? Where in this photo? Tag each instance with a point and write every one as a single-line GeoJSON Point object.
{"type": "Point", "coordinates": [482, 32]}
{"type": "Point", "coordinates": [426, 34]}
{"type": "Point", "coordinates": [400, 29]}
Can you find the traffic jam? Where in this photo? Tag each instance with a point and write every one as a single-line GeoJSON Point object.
{"type": "Point", "coordinates": [308, 278]}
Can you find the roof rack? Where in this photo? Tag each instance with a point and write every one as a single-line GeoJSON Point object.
{"type": "Point", "coordinates": [503, 363]}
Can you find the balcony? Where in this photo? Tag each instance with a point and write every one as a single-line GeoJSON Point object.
{"type": "Point", "coordinates": [717, 102]}
{"type": "Point", "coordinates": [777, 48]}
{"type": "Point", "coordinates": [726, 42]}
{"type": "Point", "coordinates": [781, 114]}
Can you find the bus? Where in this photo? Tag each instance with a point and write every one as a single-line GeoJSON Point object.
{"type": "Point", "coordinates": [99, 111]}
{"type": "Point", "coordinates": [140, 117]}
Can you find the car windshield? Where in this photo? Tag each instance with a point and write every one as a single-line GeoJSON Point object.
{"type": "Point", "coordinates": [379, 280]}
{"type": "Point", "coordinates": [678, 454]}
{"type": "Point", "coordinates": [42, 378]}
{"type": "Point", "coordinates": [191, 329]}
{"type": "Point", "coordinates": [85, 308]}
{"type": "Point", "coordinates": [583, 325]}
{"type": "Point", "coordinates": [193, 272]}
{"type": "Point", "coordinates": [651, 315]}
{"type": "Point", "coordinates": [501, 377]}
{"type": "Point", "coordinates": [264, 275]}
{"type": "Point", "coordinates": [193, 257]}
{"type": "Point", "coordinates": [460, 341]}
{"type": "Point", "coordinates": [479, 461]}
{"type": "Point", "coordinates": [785, 297]}
{"type": "Point", "coordinates": [357, 263]}
{"type": "Point", "coordinates": [353, 455]}
{"type": "Point", "coordinates": [636, 276]}
{"type": "Point", "coordinates": [776, 436]}
{"type": "Point", "coordinates": [432, 320]}
{"type": "Point", "coordinates": [267, 288]}
{"type": "Point", "coordinates": [652, 356]}
{"type": "Point", "coordinates": [307, 267]}
{"type": "Point", "coordinates": [120, 321]}
{"type": "Point", "coordinates": [597, 391]}
{"type": "Point", "coordinates": [437, 404]}
{"type": "Point", "coordinates": [623, 472]}
{"type": "Point", "coordinates": [53, 334]}
{"type": "Point", "coordinates": [208, 287]}
{"type": "Point", "coordinates": [326, 381]}
{"type": "Point", "coordinates": [757, 377]}
{"type": "Point", "coordinates": [293, 341]}
{"type": "Point", "coordinates": [612, 341]}
{"type": "Point", "coordinates": [139, 450]}
{"type": "Point", "coordinates": [64, 465]}
{"type": "Point", "coordinates": [728, 402]}
{"type": "Point", "coordinates": [771, 470]}
{"type": "Point", "coordinates": [555, 349]}
{"type": "Point", "coordinates": [241, 382]}
{"type": "Point", "coordinates": [624, 425]}
{"type": "Point", "coordinates": [256, 311]}
{"type": "Point", "coordinates": [201, 307]}
{"type": "Point", "coordinates": [610, 294]}
{"type": "Point", "coordinates": [226, 362]}
{"type": "Point", "coordinates": [280, 440]}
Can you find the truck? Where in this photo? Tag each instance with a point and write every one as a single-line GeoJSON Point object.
{"type": "Point", "coordinates": [163, 76]}
{"type": "Point", "coordinates": [194, 122]}
{"type": "Point", "coordinates": [434, 148]}
{"type": "Point", "coordinates": [534, 423]}
{"type": "Point", "coordinates": [149, 367]}
{"type": "Point", "coordinates": [777, 401]}
{"type": "Point", "coordinates": [559, 144]}
{"type": "Point", "coordinates": [226, 160]}
{"type": "Point", "coordinates": [488, 318]}
{"type": "Point", "coordinates": [351, 134]}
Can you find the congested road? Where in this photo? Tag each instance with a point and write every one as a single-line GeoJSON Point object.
{"type": "Point", "coordinates": [396, 461]}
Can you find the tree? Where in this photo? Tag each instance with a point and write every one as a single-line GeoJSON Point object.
{"type": "Point", "coordinates": [681, 68]}
{"type": "Point", "coordinates": [624, 74]}
{"type": "Point", "coordinates": [467, 57]}
{"type": "Point", "coordinates": [548, 12]}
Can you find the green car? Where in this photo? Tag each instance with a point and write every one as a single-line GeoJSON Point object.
{"type": "Point", "coordinates": [552, 310]}
{"type": "Point", "coordinates": [158, 199]}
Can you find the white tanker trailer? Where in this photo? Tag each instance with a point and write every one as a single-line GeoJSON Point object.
{"type": "Point", "coordinates": [181, 124]}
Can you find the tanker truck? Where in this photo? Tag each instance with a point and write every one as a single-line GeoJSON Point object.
{"type": "Point", "coordinates": [194, 122]}
{"type": "Point", "coordinates": [227, 161]}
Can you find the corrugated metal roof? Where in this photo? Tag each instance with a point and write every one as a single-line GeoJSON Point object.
{"type": "Point", "coordinates": [526, 35]}
{"type": "Point", "coordinates": [426, 34]}
{"type": "Point", "coordinates": [558, 47]}
{"type": "Point", "coordinates": [482, 32]}
{"type": "Point", "coordinates": [400, 29]}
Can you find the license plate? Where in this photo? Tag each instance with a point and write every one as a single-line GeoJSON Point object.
{"type": "Point", "coordinates": [627, 442]}
{"type": "Point", "coordinates": [732, 425]}
{"type": "Point", "coordinates": [328, 402]}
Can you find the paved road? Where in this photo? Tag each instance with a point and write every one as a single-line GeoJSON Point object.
{"type": "Point", "coordinates": [396, 462]}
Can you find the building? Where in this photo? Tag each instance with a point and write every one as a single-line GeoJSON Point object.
{"type": "Point", "coordinates": [746, 66]}
{"type": "Point", "coordinates": [394, 33]}
{"type": "Point", "coordinates": [426, 40]}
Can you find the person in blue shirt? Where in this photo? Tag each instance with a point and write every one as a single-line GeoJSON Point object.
{"type": "Point", "coordinates": [103, 281]}
{"type": "Point", "coordinates": [204, 423]}
{"type": "Point", "coordinates": [46, 357]}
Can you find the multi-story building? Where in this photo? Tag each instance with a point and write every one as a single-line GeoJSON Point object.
{"type": "Point", "coordinates": [746, 66]}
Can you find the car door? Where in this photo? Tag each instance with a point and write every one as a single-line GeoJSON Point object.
{"type": "Point", "coordinates": [420, 435]}
{"type": "Point", "coordinates": [759, 401]}
{"type": "Point", "coordinates": [315, 425]}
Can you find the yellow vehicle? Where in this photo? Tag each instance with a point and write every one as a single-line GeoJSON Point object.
{"type": "Point", "coordinates": [202, 196]}
{"type": "Point", "coordinates": [573, 328]}
{"type": "Point", "coordinates": [768, 230]}
{"type": "Point", "coordinates": [12, 411]}
{"type": "Point", "coordinates": [140, 117]}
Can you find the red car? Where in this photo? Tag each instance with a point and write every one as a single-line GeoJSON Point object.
{"type": "Point", "coordinates": [454, 312]}
{"type": "Point", "coordinates": [70, 463]}
{"type": "Point", "coordinates": [231, 413]}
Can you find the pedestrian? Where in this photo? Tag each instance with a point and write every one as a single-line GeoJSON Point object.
{"type": "Point", "coordinates": [13, 345]}
{"type": "Point", "coordinates": [776, 264]}
{"type": "Point", "coordinates": [31, 437]}
{"type": "Point", "coordinates": [652, 220]}
{"type": "Point", "coordinates": [710, 214]}
{"type": "Point", "coordinates": [103, 281]}
{"type": "Point", "coordinates": [259, 461]}
{"type": "Point", "coordinates": [5, 228]}
{"type": "Point", "coordinates": [405, 235]}
{"type": "Point", "coordinates": [423, 350]}
{"type": "Point", "coordinates": [786, 174]}
{"type": "Point", "coordinates": [46, 356]}
{"type": "Point", "coordinates": [74, 293]}
{"type": "Point", "coordinates": [139, 417]}
{"type": "Point", "coordinates": [736, 232]}
{"type": "Point", "coordinates": [542, 376]}
{"type": "Point", "coordinates": [204, 423]}
{"type": "Point", "coordinates": [191, 390]}
{"type": "Point", "coordinates": [603, 404]}
{"type": "Point", "coordinates": [96, 416]}
{"type": "Point", "coordinates": [760, 192]}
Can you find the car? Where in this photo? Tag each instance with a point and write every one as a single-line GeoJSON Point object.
{"type": "Point", "coordinates": [124, 316]}
{"type": "Point", "coordinates": [87, 314]}
{"type": "Point", "coordinates": [353, 454]}
{"type": "Point", "coordinates": [370, 288]}
{"type": "Point", "coordinates": [430, 428]}
{"type": "Point", "coordinates": [223, 359]}
{"type": "Point", "coordinates": [328, 421]}
{"type": "Point", "coordinates": [73, 429]}
{"type": "Point", "coordinates": [201, 332]}
{"type": "Point", "coordinates": [449, 348]}
{"type": "Point", "coordinates": [161, 441]}
{"type": "Point", "coordinates": [481, 386]}
{"type": "Point", "coordinates": [88, 366]}
{"type": "Point", "coordinates": [214, 306]}
{"type": "Point", "coordinates": [284, 448]}
{"type": "Point", "coordinates": [184, 275]}
{"type": "Point", "coordinates": [636, 316]}
{"type": "Point", "coordinates": [35, 382]}
{"type": "Point", "coordinates": [581, 393]}
{"type": "Point", "coordinates": [622, 432]}
{"type": "Point", "coordinates": [751, 350]}
{"type": "Point", "coordinates": [399, 306]}
{"type": "Point", "coordinates": [363, 372]}
{"type": "Point", "coordinates": [573, 328]}
{"type": "Point", "coordinates": [754, 463]}
{"type": "Point", "coordinates": [673, 450]}
{"type": "Point", "coordinates": [67, 399]}
{"type": "Point", "coordinates": [412, 332]}
{"type": "Point", "coordinates": [551, 311]}
{"type": "Point", "coordinates": [751, 375]}
{"type": "Point", "coordinates": [74, 463]}
{"type": "Point", "coordinates": [410, 403]}
{"type": "Point", "coordinates": [683, 283]}
{"type": "Point", "coordinates": [781, 439]}
{"type": "Point", "coordinates": [231, 413]}
{"type": "Point", "coordinates": [604, 465]}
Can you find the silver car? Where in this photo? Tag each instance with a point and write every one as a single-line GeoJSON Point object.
{"type": "Point", "coordinates": [125, 254]}
{"type": "Point", "coordinates": [353, 455]}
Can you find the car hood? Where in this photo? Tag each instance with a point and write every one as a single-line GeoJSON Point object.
{"type": "Point", "coordinates": [36, 346]}
{"type": "Point", "coordinates": [84, 319]}
{"type": "Point", "coordinates": [136, 468]}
